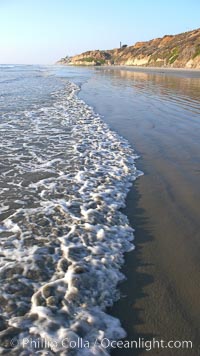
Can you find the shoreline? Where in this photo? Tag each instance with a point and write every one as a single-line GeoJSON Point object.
{"type": "Point", "coordinates": [160, 296]}
{"type": "Point", "coordinates": [157, 70]}
{"type": "Point", "coordinates": [154, 292]}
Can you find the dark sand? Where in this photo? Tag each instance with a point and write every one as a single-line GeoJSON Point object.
{"type": "Point", "coordinates": [160, 116]}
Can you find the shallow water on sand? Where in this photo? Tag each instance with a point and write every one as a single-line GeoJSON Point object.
{"type": "Point", "coordinates": [158, 111]}
{"type": "Point", "coordinates": [64, 178]}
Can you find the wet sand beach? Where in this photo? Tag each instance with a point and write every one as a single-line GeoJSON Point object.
{"type": "Point", "coordinates": [159, 114]}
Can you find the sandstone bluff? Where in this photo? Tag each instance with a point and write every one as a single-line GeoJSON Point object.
{"type": "Point", "coordinates": [178, 51]}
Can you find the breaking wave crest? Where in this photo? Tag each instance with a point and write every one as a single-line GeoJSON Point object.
{"type": "Point", "coordinates": [65, 177]}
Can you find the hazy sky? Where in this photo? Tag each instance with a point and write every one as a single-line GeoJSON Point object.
{"type": "Point", "coordinates": [42, 31]}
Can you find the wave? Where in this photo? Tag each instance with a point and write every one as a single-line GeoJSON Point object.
{"type": "Point", "coordinates": [65, 178]}
{"type": "Point", "coordinates": [7, 66]}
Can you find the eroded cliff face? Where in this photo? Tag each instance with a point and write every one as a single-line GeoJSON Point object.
{"type": "Point", "coordinates": [179, 51]}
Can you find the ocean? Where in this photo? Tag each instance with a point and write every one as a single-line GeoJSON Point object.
{"type": "Point", "coordinates": [64, 180]}
{"type": "Point", "coordinates": [71, 206]}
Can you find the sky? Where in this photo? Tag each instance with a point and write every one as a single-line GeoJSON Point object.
{"type": "Point", "coordinates": [43, 31]}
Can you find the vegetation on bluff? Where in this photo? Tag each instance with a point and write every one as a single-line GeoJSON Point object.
{"type": "Point", "coordinates": [178, 51]}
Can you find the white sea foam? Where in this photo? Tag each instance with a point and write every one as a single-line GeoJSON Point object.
{"type": "Point", "coordinates": [7, 66]}
{"type": "Point", "coordinates": [64, 240]}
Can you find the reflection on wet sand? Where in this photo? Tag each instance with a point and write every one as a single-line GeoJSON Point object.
{"type": "Point", "coordinates": [159, 114]}
{"type": "Point", "coordinates": [162, 84]}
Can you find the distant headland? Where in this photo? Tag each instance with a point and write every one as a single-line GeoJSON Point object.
{"type": "Point", "coordinates": [178, 51]}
